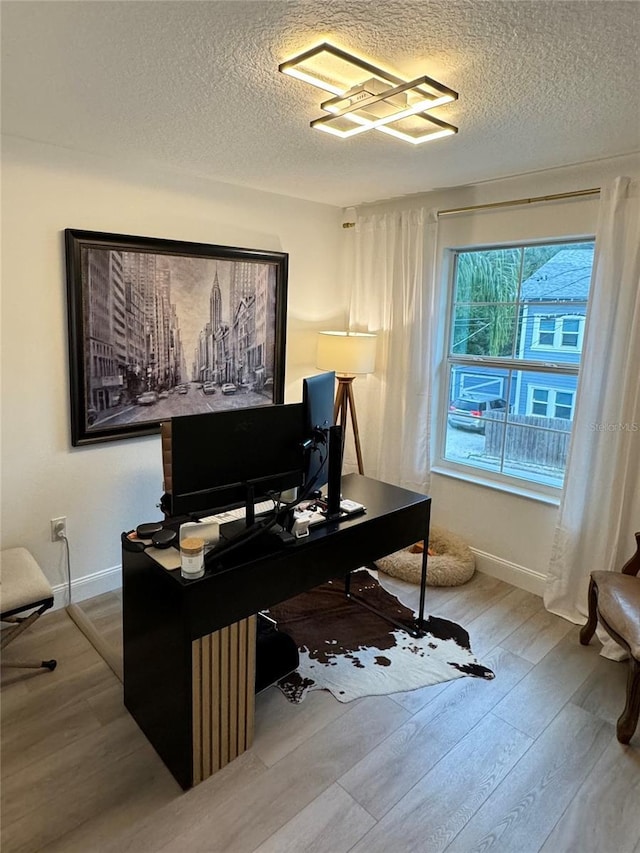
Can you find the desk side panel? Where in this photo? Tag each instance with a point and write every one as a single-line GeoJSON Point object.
{"type": "Point", "coordinates": [223, 684]}
{"type": "Point", "coordinates": [157, 661]}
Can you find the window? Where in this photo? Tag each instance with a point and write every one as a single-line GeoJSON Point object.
{"type": "Point", "coordinates": [550, 403]}
{"type": "Point", "coordinates": [556, 332]}
{"type": "Point", "coordinates": [516, 324]}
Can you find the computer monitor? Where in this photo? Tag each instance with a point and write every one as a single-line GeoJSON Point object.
{"type": "Point", "coordinates": [317, 401]}
{"type": "Point", "coordinates": [219, 458]}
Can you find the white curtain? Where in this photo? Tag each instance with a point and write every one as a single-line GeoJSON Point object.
{"type": "Point", "coordinates": [393, 296]}
{"type": "Point", "coordinates": [600, 508]}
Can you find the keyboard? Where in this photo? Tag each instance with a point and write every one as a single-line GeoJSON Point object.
{"type": "Point", "coordinates": [239, 514]}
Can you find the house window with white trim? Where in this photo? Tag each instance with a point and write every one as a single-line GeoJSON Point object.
{"type": "Point", "coordinates": [515, 332]}
{"type": "Point", "coordinates": [550, 403]}
{"type": "Point", "coordinates": [557, 332]}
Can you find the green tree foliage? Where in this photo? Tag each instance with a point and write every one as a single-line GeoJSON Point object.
{"type": "Point", "coordinates": [485, 281]}
{"type": "Point", "coordinates": [487, 290]}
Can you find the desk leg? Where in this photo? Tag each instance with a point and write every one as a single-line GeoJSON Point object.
{"type": "Point", "coordinates": [418, 626]}
{"type": "Point", "coordinates": [423, 589]}
{"type": "Point", "coordinates": [223, 666]}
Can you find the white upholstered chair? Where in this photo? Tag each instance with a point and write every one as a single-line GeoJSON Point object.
{"type": "Point", "coordinates": [25, 594]}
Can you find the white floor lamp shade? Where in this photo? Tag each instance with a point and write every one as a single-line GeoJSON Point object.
{"type": "Point", "coordinates": [348, 354]}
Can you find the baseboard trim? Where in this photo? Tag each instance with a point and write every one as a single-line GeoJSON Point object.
{"type": "Point", "coordinates": [106, 580]}
{"type": "Point", "coordinates": [510, 572]}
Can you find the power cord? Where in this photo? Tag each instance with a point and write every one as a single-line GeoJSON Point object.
{"type": "Point", "coordinates": [64, 539]}
{"type": "Point", "coordinates": [82, 621]}
{"type": "Point", "coordinates": [260, 527]}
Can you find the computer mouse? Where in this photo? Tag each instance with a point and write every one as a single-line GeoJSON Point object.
{"type": "Point", "coordinates": [163, 538]}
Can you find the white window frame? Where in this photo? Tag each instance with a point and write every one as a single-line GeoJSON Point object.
{"type": "Point", "coordinates": [477, 473]}
{"type": "Point", "coordinates": [552, 401]}
{"type": "Point", "coordinates": [558, 332]}
{"type": "Point", "coordinates": [531, 402]}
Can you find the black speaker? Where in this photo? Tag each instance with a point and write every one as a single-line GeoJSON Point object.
{"type": "Point", "coordinates": [335, 472]}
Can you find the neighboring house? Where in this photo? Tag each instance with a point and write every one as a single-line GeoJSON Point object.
{"type": "Point", "coordinates": [552, 309]}
{"type": "Point", "coordinates": [553, 319]}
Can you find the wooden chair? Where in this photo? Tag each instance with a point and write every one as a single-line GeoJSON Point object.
{"type": "Point", "coordinates": [614, 599]}
{"type": "Point", "coordinates": [23, 588]}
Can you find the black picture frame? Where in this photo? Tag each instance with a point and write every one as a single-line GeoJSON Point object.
{"type": "Point", "coordinates": [164, 328]}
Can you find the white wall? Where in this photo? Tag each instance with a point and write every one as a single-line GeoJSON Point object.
{"type": "Point", "coordinates": [104, 489]}
{"type": "Point", "coordinates": [512, 534]}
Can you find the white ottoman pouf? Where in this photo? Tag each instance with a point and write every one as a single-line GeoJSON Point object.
{"type": "Point", "coordinates": [450, 562]}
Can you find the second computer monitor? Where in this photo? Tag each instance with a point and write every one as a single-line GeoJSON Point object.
{"type": "Point", "coordinates": [317, 400]}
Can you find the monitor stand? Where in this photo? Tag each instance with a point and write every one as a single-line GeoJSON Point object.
{"type": "Point", "coordinates": [249, 506]}
{"type": "Point", "coordinates": [234, 529]}
{"type": "Point", "coordinates": [334, 483]}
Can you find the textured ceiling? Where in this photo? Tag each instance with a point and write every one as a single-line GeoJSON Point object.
{"type": "Point", "coordinates": [195, 85]}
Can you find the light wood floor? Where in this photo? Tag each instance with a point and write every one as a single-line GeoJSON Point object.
{"type": "Point", "coordinates": [527, 762]}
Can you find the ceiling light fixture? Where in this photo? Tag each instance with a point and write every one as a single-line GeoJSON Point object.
{"type": "Point", "coordinates": [369, 98]}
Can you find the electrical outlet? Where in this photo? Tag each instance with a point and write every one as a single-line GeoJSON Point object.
{"type": "Point", "coordinates": [58, 528]}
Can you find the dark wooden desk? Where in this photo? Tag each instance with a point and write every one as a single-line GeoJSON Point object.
{"type": "Point", "coordinates": [189, 646]}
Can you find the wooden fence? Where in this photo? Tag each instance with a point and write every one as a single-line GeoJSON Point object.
{"type": "Point", "coordinates": [530, 438]}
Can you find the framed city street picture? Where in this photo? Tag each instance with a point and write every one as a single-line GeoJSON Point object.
{"type": "Point", "coordinates": [161, 328]}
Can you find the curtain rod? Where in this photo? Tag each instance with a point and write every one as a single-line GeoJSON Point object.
{"type": "Point", "coordinates": [534, 200]}
{"type": "Point", "coordinates": [517, 201]}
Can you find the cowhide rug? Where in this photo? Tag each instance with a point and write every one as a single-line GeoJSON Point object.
{"type": "Point", "coordinates": [352, 652]}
